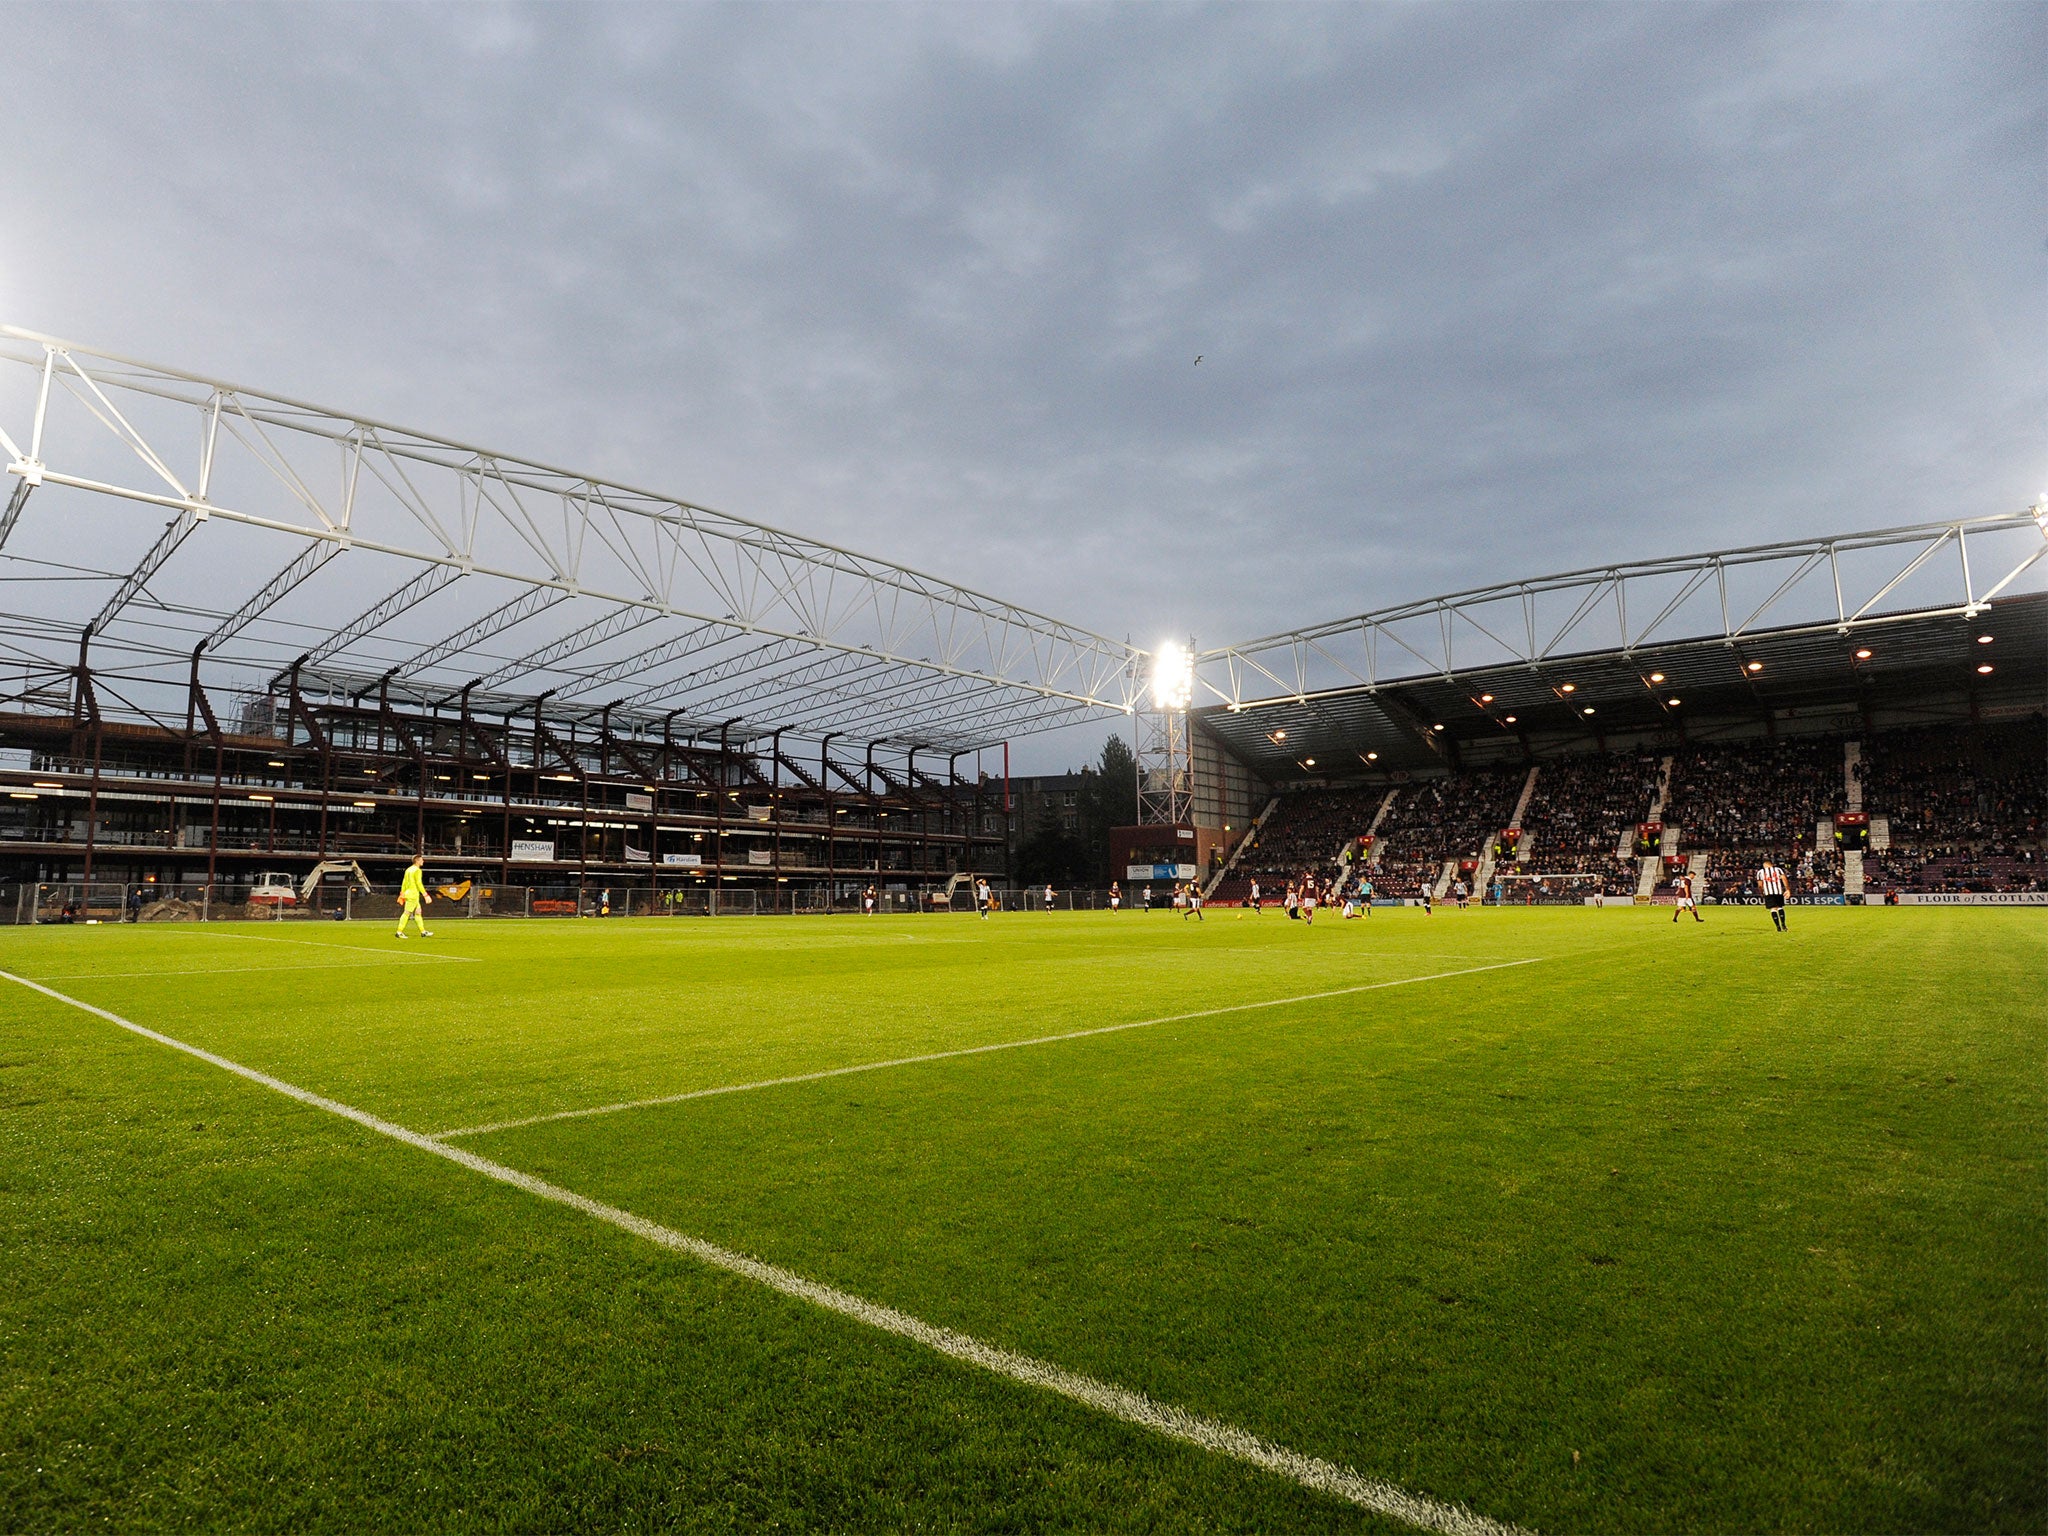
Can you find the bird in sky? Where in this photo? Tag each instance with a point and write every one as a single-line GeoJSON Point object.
{"type": "Point", "coordinates": [1198, 358]}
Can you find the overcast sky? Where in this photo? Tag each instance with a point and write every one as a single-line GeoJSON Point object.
{"type": "Point", "coordinates": [1478, 291]}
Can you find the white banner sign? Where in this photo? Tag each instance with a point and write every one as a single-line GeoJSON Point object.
{"type": "Point", "coordinates": [760, 856]}
{"type": "Point", "coordinates": [637, 855]}
{"type": "Point", "coordinates": [683, 860]}
{"type": "Point", "coordinates": [533, 851]}
{"type": "Point", "coordinates": [1968, 899]}
{"type": "Point", "coordinates": [639, 802]}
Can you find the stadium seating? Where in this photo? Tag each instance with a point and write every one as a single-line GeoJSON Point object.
{"type": "Point", "coordinates": [1965, 809]}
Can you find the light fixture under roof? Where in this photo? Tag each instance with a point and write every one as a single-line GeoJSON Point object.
{"type": "Point", "coordinates": [1589, 709]}
{"type": "Point", "coordinates": [1279, 735]}
{"type": "Point", "coordinates": [1308, 762]}
{"type": "Point", "coordinates": [1986, 667]}
{"type": "Point", "coordinates": [1656, 677]}
{"type": "Point", "coordinates": [1672, 702]}
{"type": "Point", "coordinates": [1984, 639]}
{"type": "Point", "coordinates": [1754, 666]}
{"type": "Point", "coordinates": [1372, 757]}
{"type": "Point", "coordinates": [1511, 719]}
{"type": "Point", "coordinates": [1436, 727]}
{"type": "Point", "coordinates": [1486, 698]}
{"type": "Point", "coordinates": [1863, 654]}
{"type": "Point", "coordinates": [1569, 688]}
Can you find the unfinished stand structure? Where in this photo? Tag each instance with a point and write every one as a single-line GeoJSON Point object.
{"type": "Point", "coordinates": [353, 639]}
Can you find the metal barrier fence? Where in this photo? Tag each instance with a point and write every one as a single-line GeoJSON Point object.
{"type": "Point", "coordinates": [107, 902]}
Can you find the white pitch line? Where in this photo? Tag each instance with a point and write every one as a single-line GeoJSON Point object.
{"type": "Point", "coordinates": [360, 949]}
{"type": "Point", "coordinates": [965, 1050]}
{"type": "Point", "coordinates": [1133, 1408]}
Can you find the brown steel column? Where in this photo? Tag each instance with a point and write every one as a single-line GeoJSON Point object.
{"type": "Point", "coordinates": [775, 803]}
{"type": "Point", "coordinates": [505, 852]}
{"type": "Point", "coordinates": [831, 819]}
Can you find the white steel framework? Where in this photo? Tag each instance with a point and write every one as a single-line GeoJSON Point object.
{"type": "Point", "coordinates": [1840, 584]}
{"type": "Point", "coordinates": [473, 569]}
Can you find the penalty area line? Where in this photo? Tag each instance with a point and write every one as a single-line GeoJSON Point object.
{"type": "Point", "coordinates": [1133, 1408]}
{"type": "Point", "coordinates": [966, 1050]}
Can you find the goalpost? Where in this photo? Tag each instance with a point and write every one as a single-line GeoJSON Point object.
{"type": "Point", "coordinates": [1586, 884]}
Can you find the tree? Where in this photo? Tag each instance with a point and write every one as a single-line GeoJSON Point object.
{"type": "Point", "coordinates": [1109, 798]}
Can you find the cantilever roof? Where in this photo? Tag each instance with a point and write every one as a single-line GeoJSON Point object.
{"type": "Point", "coordinates": [1735, 634]}
{"type": "Point", "coordinates": [166, 517]}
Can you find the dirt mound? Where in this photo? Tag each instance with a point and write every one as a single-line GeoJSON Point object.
{"type": "Point", "coordinates": [170, 909]}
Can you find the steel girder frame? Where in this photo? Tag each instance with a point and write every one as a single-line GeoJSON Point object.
{"type": "Point", "coordinates": [342, 482]}
{"type": "Point", "coordinates": [1836, 584]}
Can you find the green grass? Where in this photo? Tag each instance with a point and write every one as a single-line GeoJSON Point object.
{"type": "Point", "coordinates": [1693, 1228]}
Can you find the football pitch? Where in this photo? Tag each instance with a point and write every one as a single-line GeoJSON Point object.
{"type": "Point", "coordinates": [1552, 1220]}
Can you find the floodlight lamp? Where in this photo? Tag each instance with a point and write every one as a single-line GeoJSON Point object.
{"type": "Point", "coordinates": [1656, 677]}
{"type": "Point", "coordinates": [1672, 702]}
{"type": "Point", "coordinates": [1569, 688]}
{"type": "Point", "coordinates": [1486, 698]}
{"type": "Point", "coordinates": [1755, 666]}
{"type": "Point", "coordinates": [1308, 762]}
{"type": "Point", "coordinates": [1863, 654]}
{"type": "Point", "coordinates": [1985, 669]}
{"type": "Point", "coordinates": [1173, 676]}
{"type": "Point", "coordinates": [1372, 757]}
{"type": "Point", "coordinates": [1511, 719]}
{"type": "Point", "coordinates": [1983, 639]}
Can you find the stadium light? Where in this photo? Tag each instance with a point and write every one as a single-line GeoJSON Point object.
{"type": "Point", "coordinates": [1173, 676]}
{"type": "Point", "coordinates": [1486, 698]}
{"type": "Point", "coordinates": [274, 763]}
{"type": "Point", "coordinates": [1308, 762]}
{"type": "Point", "coordinates": [1372, 757]}
{"type": "Point", "coordinates": [1863, 654]}
{"type": "Point", "coordinates": [1672, 702]}
{"type": "Point", "coordinates": [1981, 640]}
{"type": "Point", "coordinates": [1511, 719]}
{"type": "Point", "coordinates": [1589, 709]}
{"type": "Point", "coordinates": [1984, 669]}
{"type": "Point", "coordinates": [1754, 666]}
{"type": "Point", "coordinates": [1279, 735]}
{"type": "Point", "coordinates": [1656, 677]}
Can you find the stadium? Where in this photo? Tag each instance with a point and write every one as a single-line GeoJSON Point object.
{"type": "Point", "coordinates": [753, 1145]}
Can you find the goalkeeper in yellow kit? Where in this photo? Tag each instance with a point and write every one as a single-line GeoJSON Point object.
{"type": "Point", "coordinates": [412, 895]}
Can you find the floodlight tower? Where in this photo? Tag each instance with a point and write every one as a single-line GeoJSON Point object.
{"type": "Point", "coordinates": [1165, 749]}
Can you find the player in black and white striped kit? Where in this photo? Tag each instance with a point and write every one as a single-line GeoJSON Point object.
{"type": "Point", "coordinates": [1770, 884]}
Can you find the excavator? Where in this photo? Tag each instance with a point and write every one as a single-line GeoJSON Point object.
{"type": "Point", "coordinates": [276, 890]}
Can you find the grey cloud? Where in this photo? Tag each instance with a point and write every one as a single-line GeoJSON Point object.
{"type": "Point", "coordinates": [1478, 290]}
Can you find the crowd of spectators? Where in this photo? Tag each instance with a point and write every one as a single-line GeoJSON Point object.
{"type": "Point", "coordinates": [1306, 833]}
{"type": "Point", "coordinates": [1755, 794]}
{"type": "Point", "coordinates": [1947, 867]}
{"type": "Point", "coordinates": [1451, 818]}
{"type": "Point", "coordinates": [1809, 871]}
{"type": "Point", "coordinates": [1584, 804]}
{"type": "Point", "coordinates": [1965, 809]}
{"type": "Point", "coordinates": [1939, 784]}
